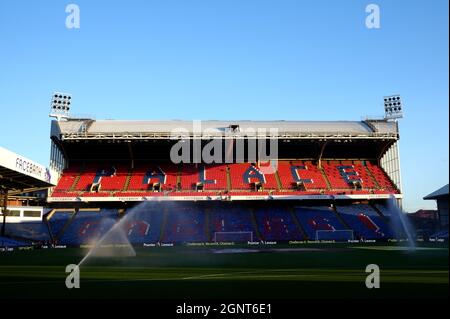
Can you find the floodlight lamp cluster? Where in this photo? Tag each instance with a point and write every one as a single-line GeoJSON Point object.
{"type": "Point", "coordinates": [393, 107]}
{"type": "Point", "coordinates": [61, 101]}
{"type": "Point", "coordinates": [61, 104]}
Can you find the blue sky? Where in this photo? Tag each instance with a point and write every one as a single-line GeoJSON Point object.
{"type": "Point", "coordinates": [235, 59]}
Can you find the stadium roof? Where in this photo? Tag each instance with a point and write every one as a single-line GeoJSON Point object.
{"type": "Point", "coordinates": [19, 174]}
{"type": "Point", "coordinates": [75, 128]}
{"type": "Point", "coordinates": [441, 192]}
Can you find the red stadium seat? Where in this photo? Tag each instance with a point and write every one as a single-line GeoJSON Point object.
{"type": "Point", "coordinates": [369, 179]}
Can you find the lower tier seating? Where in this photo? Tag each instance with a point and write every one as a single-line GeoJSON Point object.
{"type": "Point", "coordinates": [6, 242]}
{"type": "Point", "coordinates": [171, 222]}
{"type": "Point", "coordinates": [231, 224]}
{"type": "Point", "coordinates": [277, 224]}
{"type": "Point", "coordinates": [365, 221]}
{"type": "Point", "coordinates": [322, 223]}
{"type": "Point", "coordinates": [33, 231]}
{"type": "Point", "coordinates": [184, 224]}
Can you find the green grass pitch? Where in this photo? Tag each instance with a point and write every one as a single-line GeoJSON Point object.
{"type": "Point", "coordinates": [294, 271]}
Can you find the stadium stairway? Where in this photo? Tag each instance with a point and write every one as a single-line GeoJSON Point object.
{"type": "Point", "coordinates": [163, 225]}
{"type": "Point", "coordinates": [207, 222]}
{"type": "Point", "coordinates": [180, 169]}
{"type": "Point", "coordinates": [127, 181]}
{"type": "Point", "coordinates": [339, 217]}
{"type": "Point", "coordinates": [228, 179]}
{"type": "Point", "coordinates": [298, 224]}
{"type": "Point", "coordinates": [374, 180]}
{"type": "Point", "coordinates": [46, 222]}
{"type": "Point", "coordinates": [384, 181]}
{"type": "Point", "coordinates": [75, 182]}
{"type": "Point", "coordinates": [56, 220]}
{"type": "Point", "coordinates": [325, 177]}
{"type": "Point", "coordinates": [67, 225]}
{"type": "Point", "coordinates": [378, 211]}
{"type": "Point", "coordinates": [278, 179]}
{"type": "Point", "coordinates": [255, 225]}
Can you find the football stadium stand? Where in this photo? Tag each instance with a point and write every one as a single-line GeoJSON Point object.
{"type": "Point", "coordinates": [329, 181]}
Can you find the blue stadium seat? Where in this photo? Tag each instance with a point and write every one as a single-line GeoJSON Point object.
{"type": "Point", "coordinates": [58, 220]}
{"type": "Point", "coordinates": [314, 219]}
{"type": "Point", "coordinates": [365, 221]}
{"type": "Point", "coordinates": [10, 243]}
{"type": "Point", "coordinates": [89, 226]}
{"type": "Point", "coordinates": [185, 224]}
{"type": "Point", "coordinates": [231, 224]}
{"type": "Point", "coordinates": [34, 231]}
{"type": "Point", "coordinates": [277, 224]}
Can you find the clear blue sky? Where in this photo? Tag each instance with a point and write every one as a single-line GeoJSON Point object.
{"type": "Point", "coordinates": [233, 59]}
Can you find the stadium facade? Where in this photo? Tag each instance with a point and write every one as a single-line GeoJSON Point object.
{"type": "Point", "coordinates": [327, 181]}
{"type": "Point", "coordinates": [126, 159]}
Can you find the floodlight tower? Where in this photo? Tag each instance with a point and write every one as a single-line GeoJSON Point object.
{"type": "Point", "coordinates": [393, 111]}
{"type": "Point", "coordinates": [393, 107]}
{"type": "Point", "coordinates": [60, 105]}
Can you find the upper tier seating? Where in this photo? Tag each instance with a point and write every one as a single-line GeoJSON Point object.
{"type": "Point", "coordinates": [211, 176]}
{"type": "Point", "coordinates": [67, 179]}
{"type": "Point", "coordinates": [269, 170]}
{"type": "Point", "coordinates": [112, 179]}
{"type": "Point", "coordinates": [145, 174]}
{"type": "Point", "coordinates": [291, 172]}
{"type": "Point", "coordinates": [341, 175]}
{"type": "Point", "coordinates": [301, 177]}
{"type": "Point", "coordinates": [381, 177]}
{"type": "Point", "coordinates": [244, 174]}
{"type": "Point", "coordinates": [217, 173]}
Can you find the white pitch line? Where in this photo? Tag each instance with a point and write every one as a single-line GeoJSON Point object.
{"type": "Point", "coordinates": [218, 275]}
{"type": "Point", "coordinates": [243, 273]}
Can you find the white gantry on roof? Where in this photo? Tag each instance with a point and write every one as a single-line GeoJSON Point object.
{"type": "Point", "coordinates": [320, 127]}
